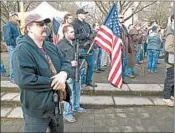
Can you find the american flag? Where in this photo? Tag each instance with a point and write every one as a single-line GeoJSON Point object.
{"type": "Point", "coordinates": [108, 38]}
{"type": "Point", "coordinates": [55, 26]}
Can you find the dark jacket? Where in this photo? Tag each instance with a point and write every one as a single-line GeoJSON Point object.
{"type": "Point", "coordinates": [83, 33]}
{"type": "Point", "coordinates": [95, 46]}
{"type": "Point", "coordinates": [69, 50]}
{"type": "Point", "coordinates": [133, 42]}
{"type": "Point", "coordinates": [33, 75]}
{"type": "Point", "coordinates": [124, 35]}
{"type": "Point", "coordinates": [10, 32]}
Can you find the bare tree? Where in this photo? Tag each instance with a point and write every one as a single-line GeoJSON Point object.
{"type": "Point", "coordinates": [13, 6]}
{"type": "Point", "coordinates": [123, 6]}
{"type": "Point", "coordinates": [158, 13]}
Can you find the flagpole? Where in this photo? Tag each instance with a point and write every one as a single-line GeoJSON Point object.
{"type": "Point", "coordinates": [104, 23]}
{"type": "Point", "coordinates": [22, 17]}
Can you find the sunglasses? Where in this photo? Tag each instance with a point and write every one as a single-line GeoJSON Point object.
{"type": "Point", "coordinates": [42, 23]}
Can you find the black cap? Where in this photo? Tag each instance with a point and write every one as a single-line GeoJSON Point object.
{"type": "Point", "coordinates": [81, 11]}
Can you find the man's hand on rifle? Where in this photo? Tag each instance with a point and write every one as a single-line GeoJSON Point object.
{"type": "Point", "coordinates": [59, 80]}
{"type": "Point", "coordinates": [74, 63]}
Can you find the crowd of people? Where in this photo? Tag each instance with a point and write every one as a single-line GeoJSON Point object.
{"type": "Point", "coordinates": [42, 68]}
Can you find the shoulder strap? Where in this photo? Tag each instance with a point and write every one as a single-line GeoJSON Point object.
{"type": "Point", "coordinates": [52, 67]}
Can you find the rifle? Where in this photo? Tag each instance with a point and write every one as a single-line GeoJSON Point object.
{"type": "Point", "coordinates": [77, 59]}
{"type": "Point", "coordinates": [58, 112]}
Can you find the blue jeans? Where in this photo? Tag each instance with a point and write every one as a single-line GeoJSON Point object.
{"type": "Point", "coordinates": [87, 78]}
{"type": "Point", "coordinates": [99, 58]}
{"type": "Point", "coordinates": [75, 98]}
{"type": "Point", "coordinates": [139, 53]}
{"type": "Point", "coordinates": [95, 58]}
{"type": "Point", "coordinates": [152, 60]}
{"type": "Point", "coordinates": [33, 124]}
{"type": "Point", "coordinates": [145, 48]}
{"type": "Point", "coordinates": [124, 66]}
{"type": "Point", "coordinates": [3, 71]}
{"type": "Point", "coordinates": [131, 71]}
{"type": "Point", "coordinates": [10, 51]}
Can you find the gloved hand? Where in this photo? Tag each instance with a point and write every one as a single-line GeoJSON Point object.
{"type": "Point", "coordinates": [74, 63]}
{"type": "Point", "coordinates": [59, 80]}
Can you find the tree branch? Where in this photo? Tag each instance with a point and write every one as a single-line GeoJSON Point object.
{"type": "Point", "coordinates": [120, 10]}
{"type": "Point", "coordinates": [4, 7]}
{"type": "Point", "coordinates": [27, 7]}
{"type": "Point", "coordinates": [103, 6]}
{"type": "Point", "coordinates": [123, 3]}
{"type": "Point", "coordinates": [127, 6]}
{"type": "Point", "coordinates": [100, 8]}
{"type": "Point", "coordinates": [139, 10]}
{"type": "Point", "coordinates": [2, 20]}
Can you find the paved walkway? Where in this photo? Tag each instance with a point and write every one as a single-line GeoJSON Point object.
{"type": "Point", "coordinates": [132, 119]}
{"type": "Point", "coordinates": [119, 119]}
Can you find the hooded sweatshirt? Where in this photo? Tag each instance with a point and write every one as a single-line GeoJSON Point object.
{"type": "Point", "coordinates": [33, 75]}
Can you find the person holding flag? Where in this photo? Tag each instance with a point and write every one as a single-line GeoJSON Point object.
{"type": "Point", "coordinates": [108, 38]}
{"type": "Point", "coordinates": [126, 48]}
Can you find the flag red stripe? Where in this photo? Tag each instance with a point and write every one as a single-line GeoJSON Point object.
{"type": "Point", "coordinates": [114, 72]}
{"type": "Point", "coordinates": [116, 54]}
{"type": "Point", "coordinates": [55, 39]}
{"type": "Point", "coordinates": [118, 81]}
{"type": "Point", "coordinates": [113, 47]}
{"type": "Point", "coordinates": [102, 46]}
{"type": "Point", "coordinates": [105, 32]}
{"type": "Point", "coordinates": [104, 40]}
